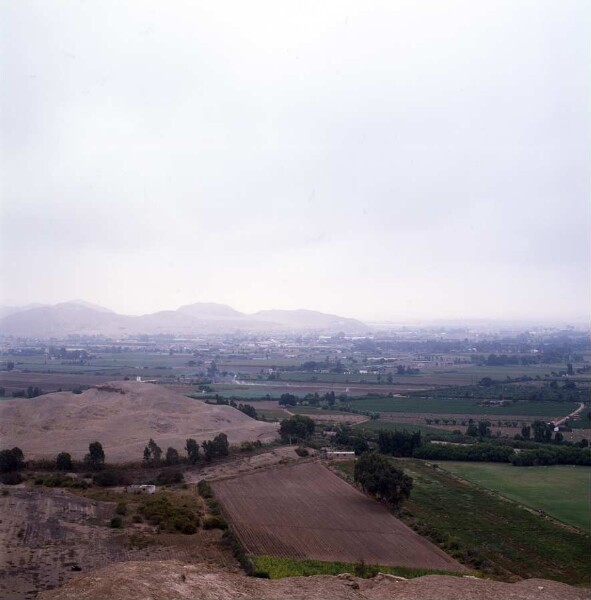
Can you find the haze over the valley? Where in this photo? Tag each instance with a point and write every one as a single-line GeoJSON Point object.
{"type": "Point", "coordinates": [381, 161]}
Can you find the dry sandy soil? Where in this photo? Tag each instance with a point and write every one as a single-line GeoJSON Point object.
{"type": "Point", "coordinates": [45, 532]}
{"type": "Point", "coordinates": [306, 511]}
{"type": "Point", "coordinates": [237, 464]}
{"type": "Point", "coordinates": [123, 416]}
{"type": "Point", "coordinates": [173, 580]}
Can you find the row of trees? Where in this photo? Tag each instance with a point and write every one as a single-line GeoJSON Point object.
{"type": "Point", "coordinates": [491, 452]}
{"type": "Point", "coordinates": [217, 447]}
{"type": "Point", "coordinates": [30, 392]}
{"type": "Point", "coordinates": [247, 409]}
{"type": "Point", "coordinates": [399, 443]}
{"type": "Point", "coordinates": [482, 452]}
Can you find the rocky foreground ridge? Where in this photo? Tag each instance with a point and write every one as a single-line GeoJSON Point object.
{"type": "Point", "coordinates": [173, 580]}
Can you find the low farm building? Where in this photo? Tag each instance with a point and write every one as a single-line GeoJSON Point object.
{"type": "Point", "coordinates": [335, 454]}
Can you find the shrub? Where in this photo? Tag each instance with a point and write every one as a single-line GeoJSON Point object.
{"type": "Point", "coordinates": [204, 489]}
{"type": "Point", "coordinates": [169, 477]}
{"type": "Point", "coordinates": [302, 451]}
{"type": "Point", "coordinates": [63, 462]}
{"type": "Point", "coordinates": [137, 518]}
{"type": "Point", "coordinates": [159, 510]}
{"type": "Point", "coordinates": [117, 522]}
{"type": "Point", "coordinates": [12, 478]}
{"type": "Point", "coordinates": [215, 522]}
{"type": "Point", "coordinates": [121, 508]}
{"type": "Point", "coordinates": [110, 478]}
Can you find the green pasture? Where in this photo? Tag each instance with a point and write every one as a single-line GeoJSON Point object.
{"type": "Point", "coordinates": [562, 491]}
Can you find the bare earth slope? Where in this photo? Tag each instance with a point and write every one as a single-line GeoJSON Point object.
{"type": "Point", "coordinates": [123, 416]}
{"type": "Point", "coordinates": [173, 580]}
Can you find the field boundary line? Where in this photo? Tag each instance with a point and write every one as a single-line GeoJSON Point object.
{"type": "Point", "coordinates": [276, 467]}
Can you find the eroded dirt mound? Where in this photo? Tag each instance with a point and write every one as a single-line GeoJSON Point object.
{"type": "Point", "coordinates": [123, 416]}
{"type": "Point", "coordinates": [173, 580]}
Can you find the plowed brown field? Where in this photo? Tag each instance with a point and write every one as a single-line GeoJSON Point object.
{"type": "Point", "coordinates": [306, 511]}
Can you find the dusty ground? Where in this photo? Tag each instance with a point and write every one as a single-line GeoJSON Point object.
{"type": "Point", "coordinates": [45, 532]}
{"type": "Point", "coordinates": [173, 580]}
{"type": "Point", "coordinates": [306, 511]}
{"type": "Point", "coordinates": [123, 416]}
{"type": "Point", "coordinates": [237, 464]}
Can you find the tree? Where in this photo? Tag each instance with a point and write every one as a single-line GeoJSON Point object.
{"type": "Point", "coordinates": [376, 475]}
{"type": "Point", "coordinates": [152, 453]}
{"type": "Point", "coordinates": [484, 429]}
{"type": "Point", "coordinates": [297, 427]}
{"type": "Point", "coordinates": [219, 446]}
{"type": "Point", "coordinates": [526, 432]}
{"type": "Point", "coordinates": [96, 455]}
{"type": "Point", "coordinates": [222, 447]}
{"type": "Point", "coordinates": [192, 448]}
{"type": "Point", "coordinates": [472, 430]}
{"type": "Point", "coordinates": [288, 400]}
{"type": "Point", "coordinates": [542, 431]}
{"type": "Point", "coordinates": [11, 460]}
{"type": "Point", "coordinates": [172, 456]}
{"type": "Point", "coordinates": [9, 365]}
{"type": "Point", "coordinates": [63, 462]}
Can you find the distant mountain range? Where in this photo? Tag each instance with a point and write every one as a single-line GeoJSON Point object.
{"type": "Point", "coordinates": [83, 318]}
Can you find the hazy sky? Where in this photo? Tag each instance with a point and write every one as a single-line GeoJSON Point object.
{"type": "Point", "coordinates": [374, 159]}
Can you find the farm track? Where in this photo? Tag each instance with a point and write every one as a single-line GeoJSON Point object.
{"type": "Point", "coordinates": [306, 511]}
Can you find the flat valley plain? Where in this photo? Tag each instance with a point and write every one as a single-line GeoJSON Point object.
{"type": "Point", "coordinates": [306, 511]}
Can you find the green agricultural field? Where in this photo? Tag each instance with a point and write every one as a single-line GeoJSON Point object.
{"type": "Point", "coordinates": [277, 568]}
{"type": "Point", "coordinates": [271, 414]}
{"type": "Point", "coordinates": [497, 536]}
{"type": "Point", "coordinates": [311, 411]}
{"type": "Point", "coordinates": [562, 491]}
{"type": "Point", "coordinates": [391, 426]}
{"type": "Point", "coordinates": [461, 406]}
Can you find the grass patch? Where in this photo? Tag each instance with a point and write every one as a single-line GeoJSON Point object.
{"type": "Point", "coordinates": [562, 491]}
{"type": "Point", "coordinates": [277, 568]}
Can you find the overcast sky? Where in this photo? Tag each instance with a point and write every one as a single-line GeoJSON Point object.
{"type": "Point", "coordinates": [381, 160]}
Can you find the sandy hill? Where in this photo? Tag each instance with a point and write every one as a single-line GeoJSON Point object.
{"type": "Point", "coordinates": [173, 580]}
{"type": "Point", "coordinates": [123, 416]}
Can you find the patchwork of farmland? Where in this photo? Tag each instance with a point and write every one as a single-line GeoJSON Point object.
{"type": "Point", "coordinates": [306, 511]}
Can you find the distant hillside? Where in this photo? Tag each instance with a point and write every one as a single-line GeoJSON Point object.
{"type": "Point", "coordinates": [310, 319]}
{"type": "Point", "coordinates": [123, 416]}
{"type": "Point", "coordinates": [83, 318]}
